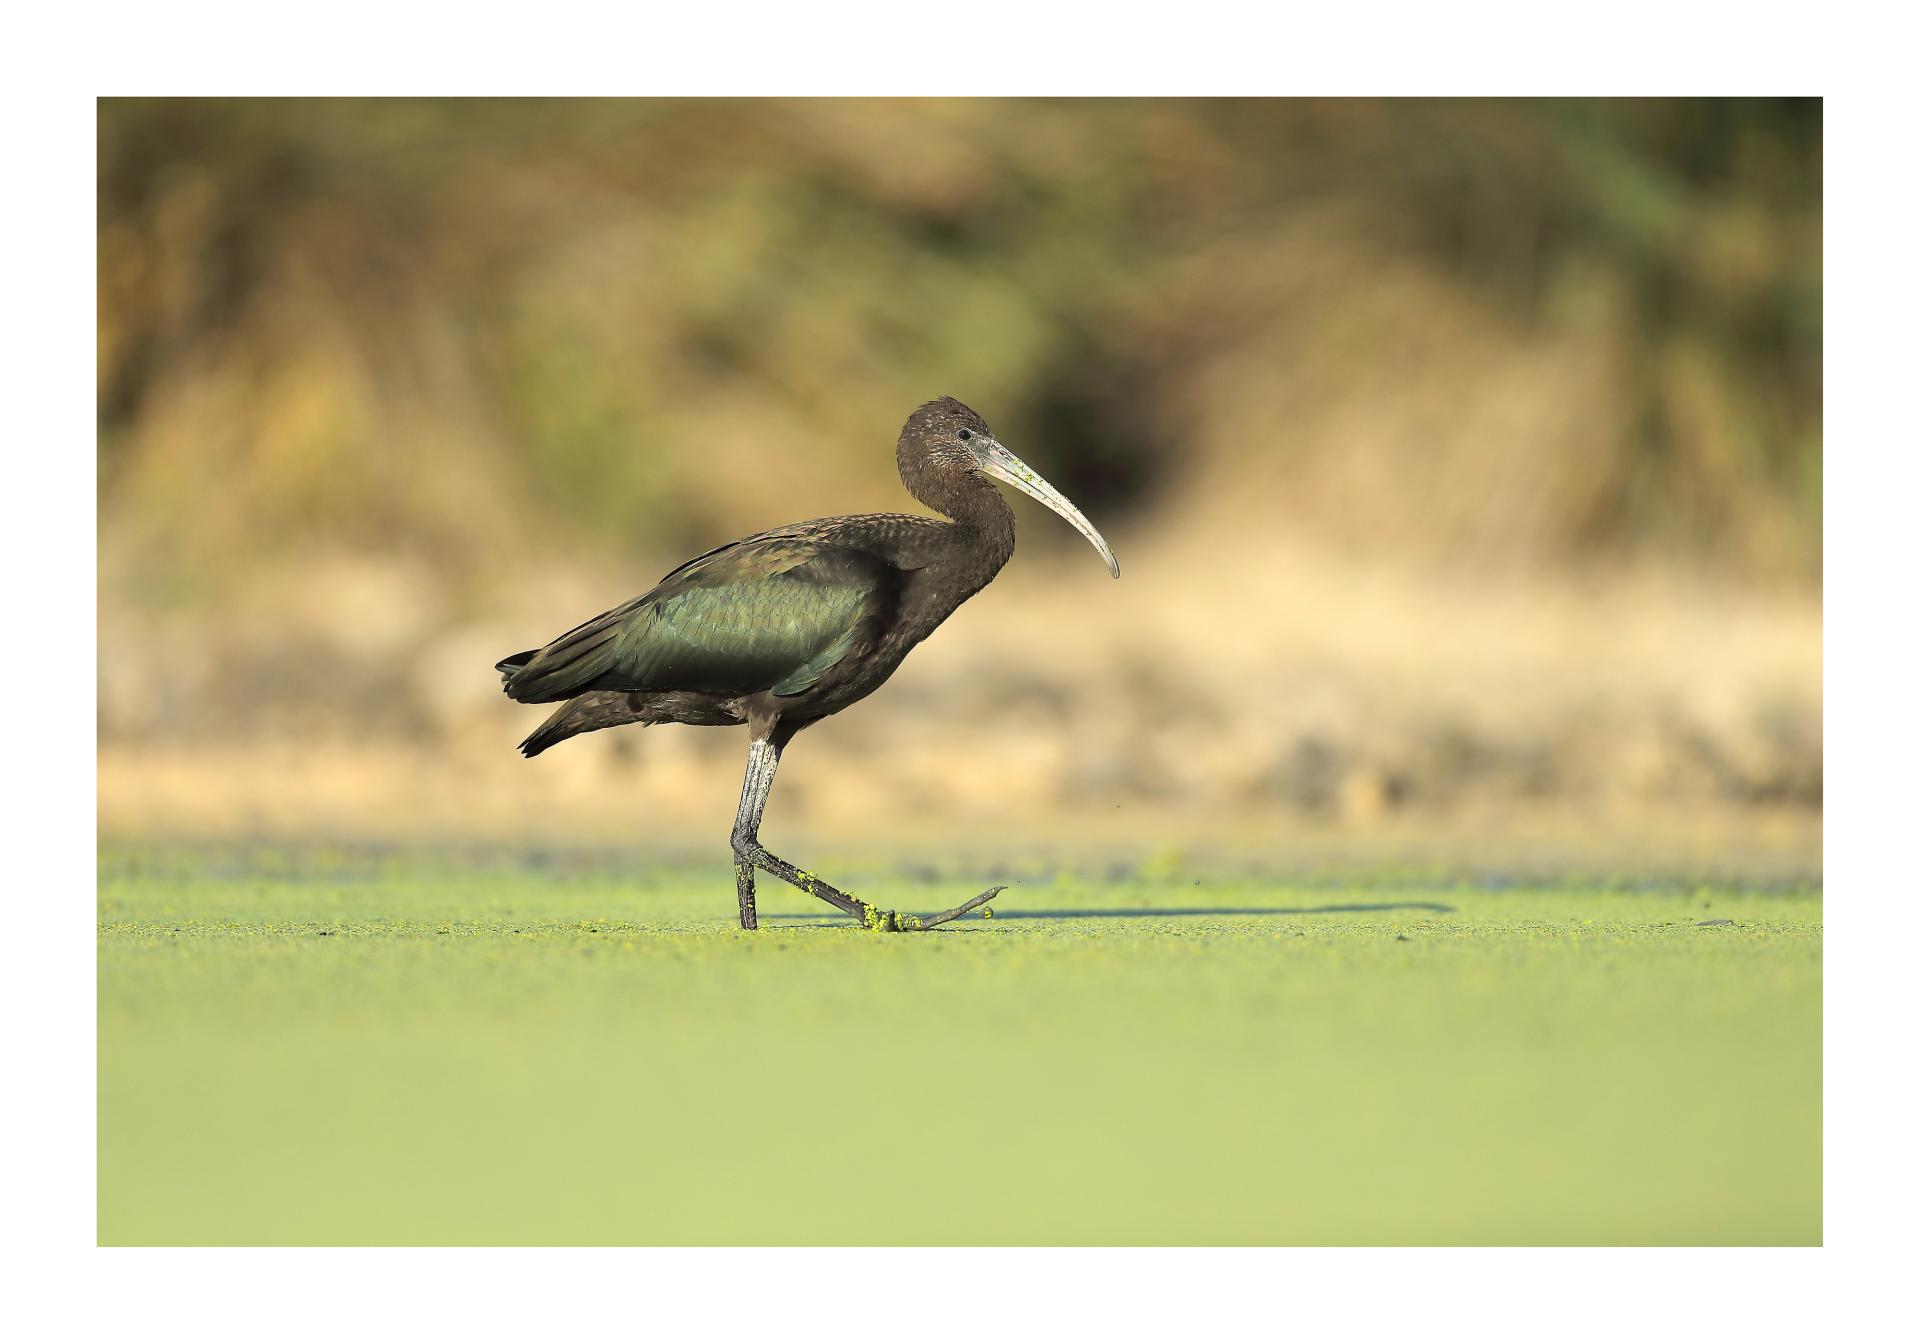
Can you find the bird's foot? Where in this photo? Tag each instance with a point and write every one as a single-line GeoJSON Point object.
{"type": "Point", "coordinates": [891, 921]}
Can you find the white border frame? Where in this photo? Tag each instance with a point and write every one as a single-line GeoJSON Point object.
{"type": "Point", "coordinates": [63, 60]}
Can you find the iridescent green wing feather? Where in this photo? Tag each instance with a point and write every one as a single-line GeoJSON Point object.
{"type": "Point", "coordinates": [770, 613]}
{"type": "Point", "coordinates": [753, 617]}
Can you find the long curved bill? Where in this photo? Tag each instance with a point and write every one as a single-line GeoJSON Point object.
{"type": "Point", "coordinates": [998, 462]}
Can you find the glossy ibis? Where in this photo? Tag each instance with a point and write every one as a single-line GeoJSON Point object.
{"type": "Point", "coordinates": [781, 629]}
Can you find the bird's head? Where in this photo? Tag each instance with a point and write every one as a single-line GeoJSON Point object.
{"type": "Point", "coordinates": [947, 438]}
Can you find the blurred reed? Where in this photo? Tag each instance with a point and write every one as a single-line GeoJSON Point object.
{"type": "Point", "coordinates": [383, 384]}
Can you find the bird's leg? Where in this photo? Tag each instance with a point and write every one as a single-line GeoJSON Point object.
{"type": "Point", "coordinates": [763, 758]}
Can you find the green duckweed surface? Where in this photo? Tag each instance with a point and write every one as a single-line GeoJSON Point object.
{"type": "Point", "coordinates": [337, 1047]}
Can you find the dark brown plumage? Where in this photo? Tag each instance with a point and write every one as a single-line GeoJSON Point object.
{"type": "Point", "coordinates": [781, 629]}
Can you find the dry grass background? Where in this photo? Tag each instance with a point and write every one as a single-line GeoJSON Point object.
{"type": "Point", "coordinates": [1463, 458]}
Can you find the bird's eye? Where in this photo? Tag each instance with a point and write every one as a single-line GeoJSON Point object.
{"type": "Point", "coordinates": [966, 433]}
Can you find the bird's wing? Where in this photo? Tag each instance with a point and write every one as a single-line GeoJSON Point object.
{"type": "Point", "coordinates": [774, 612]}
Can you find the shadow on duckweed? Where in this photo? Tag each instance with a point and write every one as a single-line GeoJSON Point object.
{"type": "Point", "coordinates": [1170, 912]}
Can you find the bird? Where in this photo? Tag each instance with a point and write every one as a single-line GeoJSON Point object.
{"type": "Point", "coordinates": [781, 629]}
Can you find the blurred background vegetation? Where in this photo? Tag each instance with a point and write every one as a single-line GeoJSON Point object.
{"type": "Point", "coordinates": [1464, 457]}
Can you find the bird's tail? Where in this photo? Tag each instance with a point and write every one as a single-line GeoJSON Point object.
{"type": "Point", "coordinates": [585, 714]}
{"type": "Point", "coordinates": [511, 664]}
{"type": "Point", "coordinates": [567, 666]}
{"type": "Point", "coordinates": [555, 730]}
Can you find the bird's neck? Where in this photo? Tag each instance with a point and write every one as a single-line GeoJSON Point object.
{"type": "Point", "coordinates": [982, 534]}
